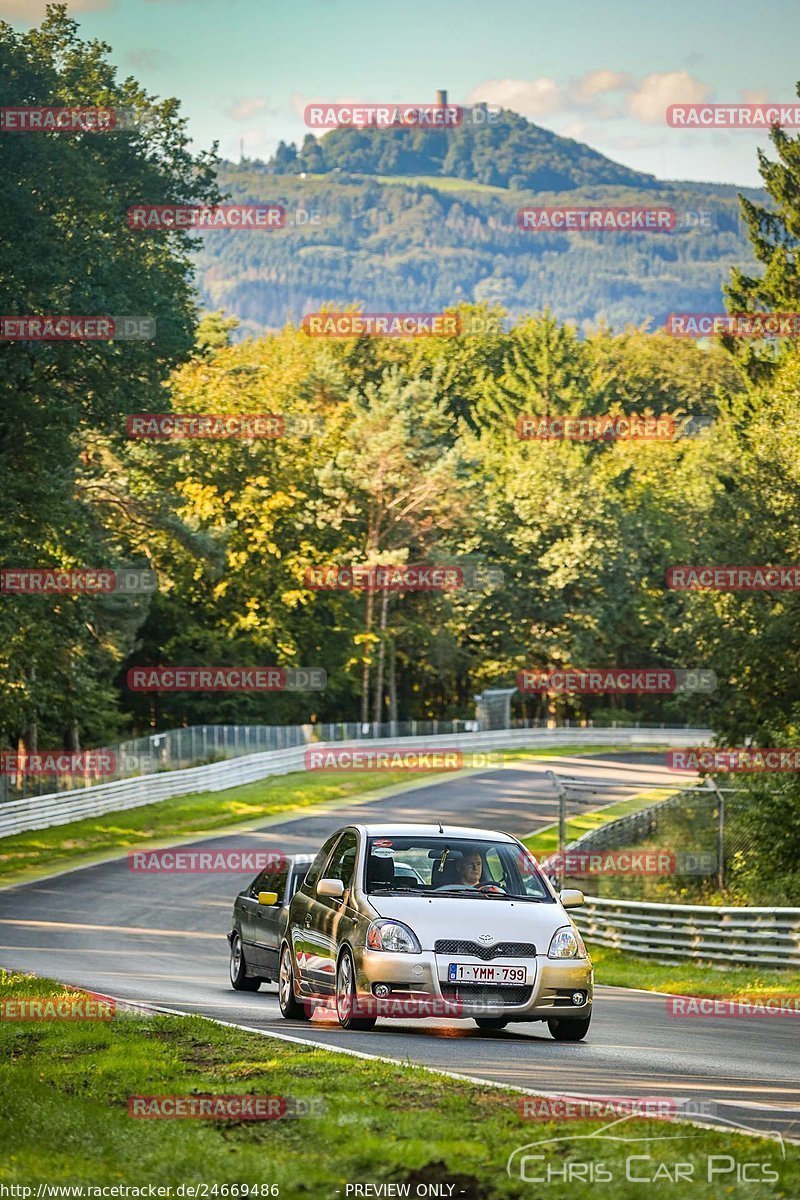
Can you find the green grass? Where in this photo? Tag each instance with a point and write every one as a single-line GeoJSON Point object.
{"type": "Point", "coordinates": [545, 841]}
{"type": "Point", "coordinates": [25, 856]}
{"type": "Point", "coordinates": [442, 183]}
{"type": "Point", "coordinates": [691, 979]}
{"type": "Point", "coordinates": [64, 1105]}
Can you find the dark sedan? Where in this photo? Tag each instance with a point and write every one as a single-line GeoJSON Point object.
{"type": "Point", "coordinates": [260, 913]}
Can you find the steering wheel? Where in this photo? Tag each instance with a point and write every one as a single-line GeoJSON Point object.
{"type": "Point", "coordinates": [491, 889]}
{"type": "Point", "coordinates": [448, 887]}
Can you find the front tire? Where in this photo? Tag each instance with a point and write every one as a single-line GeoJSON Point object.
{"type": "Point", "coordinates": [240, 980]}
{"type": "Point", "coordinates": [291, 1008]}
{"type": "Point", "coordinates": [491, 1022]}
{"type": "Point", "coordinates": [346, 1001]}
{"type": "Point", "coordinates": [566, 1030]}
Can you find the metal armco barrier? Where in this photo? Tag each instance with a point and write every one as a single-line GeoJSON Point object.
{"type": "Point", "coordinates": [670, 932]}
{"type": "Point", "coordinates": [41, 812]}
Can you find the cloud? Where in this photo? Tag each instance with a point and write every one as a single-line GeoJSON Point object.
{"type": "Point", "coordinates": [650, 100]}
{"type": "Point", "coordinates": [749, 96]}
{"type": "Point", "coordinates": [246, 108]}
{"type": "Point", "coordinates": [597, 83]}
{"type": "Point", "coordinates": [32, 11]}
{"type": "Point", "coordinates": [602, 94]}
{"type": "Point", "coordinates": [530, 98]}
{"type": "Point", "coordinates": [146, 60]}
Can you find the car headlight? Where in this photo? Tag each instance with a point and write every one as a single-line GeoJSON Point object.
{"type": "Point", "coordinates": [392, 935]}
{"type": "Point", "coordinates": [567, 943]}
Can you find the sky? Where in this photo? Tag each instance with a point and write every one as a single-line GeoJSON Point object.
{"type": "Point", "coordinates": [602, 73]}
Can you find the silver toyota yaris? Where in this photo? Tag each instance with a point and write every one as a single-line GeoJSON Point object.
{"type": "Point", "coordinates": [404, 920]}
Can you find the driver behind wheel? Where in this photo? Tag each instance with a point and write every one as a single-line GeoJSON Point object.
{"type": "Point", "coordinates": [469, 868]}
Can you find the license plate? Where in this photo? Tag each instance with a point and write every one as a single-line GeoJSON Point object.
{"type": "Point", "coordinates": [497, 973]}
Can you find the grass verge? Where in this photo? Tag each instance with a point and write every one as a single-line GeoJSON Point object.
{"type": "Point", "coordinates": [66, 1086]}
{"type": "Point", "coordinates": [26, 855]}
{"type": "Point", "coordinates": [545, 841]}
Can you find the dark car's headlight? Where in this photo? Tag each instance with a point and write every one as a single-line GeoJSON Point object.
{"type": "Point", "coordinates": [394, 936]}
{"type": "Point", "coordinates": [567, 943]}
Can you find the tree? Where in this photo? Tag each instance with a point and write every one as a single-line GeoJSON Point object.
{"type": "Point", "coordinates": [775, 237]}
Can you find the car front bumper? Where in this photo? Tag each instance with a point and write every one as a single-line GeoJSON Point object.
{"type": "Point", "coordinates": [549, 992]}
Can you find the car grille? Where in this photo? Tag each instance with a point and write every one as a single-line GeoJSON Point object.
{"type": "Point", "coordinates": [484, 993]}
{"type": "Point", "coordinates": [487, 953]}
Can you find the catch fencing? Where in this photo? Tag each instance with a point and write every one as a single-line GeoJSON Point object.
{"type": "Point", "coordinates": [41, 812]}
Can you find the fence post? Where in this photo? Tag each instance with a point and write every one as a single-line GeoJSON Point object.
{"type": "Point", "coordinates": [714, 786]}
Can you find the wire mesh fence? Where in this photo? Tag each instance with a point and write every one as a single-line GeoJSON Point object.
{"type": "Point", "coordinates": [195, 745]}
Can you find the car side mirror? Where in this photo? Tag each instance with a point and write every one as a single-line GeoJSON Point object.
{"type": "Point", "coordinates": [331, 887]}
{"type": "Point", "coordinates": [571, 898]}
{"type": "Point", "coordinates": [268, 899]}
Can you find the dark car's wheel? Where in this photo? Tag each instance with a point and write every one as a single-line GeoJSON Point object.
{"type": "Point", "coordinates": [491, 1022]}
{"type": "Point", "coordinates": [240, 980]}
{"type": "Point", "coordinates": [291, 1008]}
{"type": "Point", "coordinates": [570, 1030]}
{"type": "Point", "coordinates": [346, 1001]}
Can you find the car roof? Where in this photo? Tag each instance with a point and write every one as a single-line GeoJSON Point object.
{"type": "Point", "coordinates": [398, 829]}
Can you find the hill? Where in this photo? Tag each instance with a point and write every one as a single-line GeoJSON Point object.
{"type": "Point", "coordinates": [419, 220]}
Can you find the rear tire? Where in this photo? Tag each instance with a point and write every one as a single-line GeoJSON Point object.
{"type": "Point", "coordinates": [491, 1022]}
{"type": "Point", "coordinates": [346, 1001]}
{"type": "Point", "coordinates": [570, 1030]}
{"type": "Point", "coordinates": [291, 1008]}
{"type": "Point", "coordinates": [240, 980]}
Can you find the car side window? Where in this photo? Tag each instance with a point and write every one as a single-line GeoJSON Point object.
{"type": "Point", "coordinates": [270, 881]}
{"type": "Point", "coordinates": [343, 861]}
{"type": "Point", "coordinates": [315, 870]}
{"type": "Point", "coordinates": [300, 872]}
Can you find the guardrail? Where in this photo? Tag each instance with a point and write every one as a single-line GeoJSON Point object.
{"type": "Point", "coordinates": [41, 812]}
{"type": "Point", "coordinates": [768, 937]}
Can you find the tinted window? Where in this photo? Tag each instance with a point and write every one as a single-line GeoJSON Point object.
{"type": "Point", "coordinates": [300, 872]}
{"type": "Point", "coordinates": [315, 869]}
{"type": "Point", "coordinates": [343, 861]}
{"type": "Point", "coordinates": [270, 881]}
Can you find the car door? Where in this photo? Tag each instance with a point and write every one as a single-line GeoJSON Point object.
{"type": "Point", "coordinates": [246, 909]}
{"type": "Point", "coordinates": [328, 918]}
{"type": "Point", "coordinates": [305, 948]}
{"type": "Point", "coordinates": [268, 922]}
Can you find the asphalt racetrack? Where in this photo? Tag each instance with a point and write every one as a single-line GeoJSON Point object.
{"type": "Point", "coordinates": [160, 938]}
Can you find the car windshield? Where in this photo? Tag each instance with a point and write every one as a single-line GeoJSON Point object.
{"type": "Point", "coordinates": [474, 869]}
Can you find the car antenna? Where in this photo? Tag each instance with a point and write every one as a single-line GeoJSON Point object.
{"type": "Point", "coordinates": [440, 827]}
